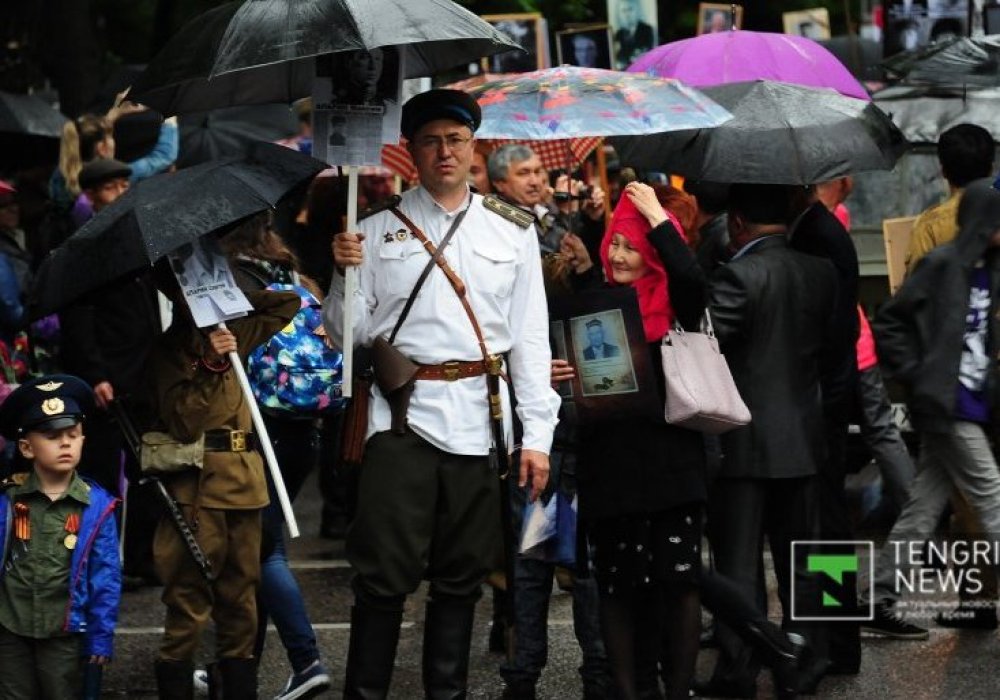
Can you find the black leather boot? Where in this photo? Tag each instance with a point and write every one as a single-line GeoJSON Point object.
{"type": "Point", "coordinates": [372, 652]}
{"type": "Point", "coordinates": [174, 680]}
{"type": "Point", "coordinates": [783, 652]}
{"type": "Point", "coordinates": [447, 636]}
{"type": "Point", "coordinates": [239, 679]}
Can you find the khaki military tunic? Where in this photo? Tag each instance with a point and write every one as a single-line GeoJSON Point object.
{"type": "Point", "coordinates": [222, 501]}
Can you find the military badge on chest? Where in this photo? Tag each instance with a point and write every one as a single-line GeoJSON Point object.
{"type": "Point", "coordinates": [397, 236]}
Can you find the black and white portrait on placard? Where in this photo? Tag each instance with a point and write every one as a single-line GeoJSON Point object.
{"type": "Point", "coordinates": [356, 105]}
{"type": "Point", "coordinates": [525, 30]}
{"type": "Point", "coordinates": [602, 365]}
{"type": "Point", "coordinates": [587, 47]}
{"type": "Point", "coordinates": [633, 28]}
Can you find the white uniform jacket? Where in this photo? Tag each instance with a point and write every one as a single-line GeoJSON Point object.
{"type": "Point", "coordinates": [500, 265]}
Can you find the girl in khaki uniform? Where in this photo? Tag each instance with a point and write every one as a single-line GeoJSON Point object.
{"type": "Point", "coordinates": [196, 391]}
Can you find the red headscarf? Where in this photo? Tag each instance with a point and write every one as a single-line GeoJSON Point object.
{"type": "Point", "coordinates": [651, 288]}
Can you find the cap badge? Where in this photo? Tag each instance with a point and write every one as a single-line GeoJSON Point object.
{"type": "Point", "coordinates": [49, 386]}
{"type": "Point", "coordinates": [53, 407]}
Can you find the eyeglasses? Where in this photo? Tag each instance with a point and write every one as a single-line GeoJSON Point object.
{"type": "Point", "coordinates": [453, 142]}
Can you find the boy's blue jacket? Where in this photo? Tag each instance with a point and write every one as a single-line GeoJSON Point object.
{"type": "Point", "coordinates": [95, 579]}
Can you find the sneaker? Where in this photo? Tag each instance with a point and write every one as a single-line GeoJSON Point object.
{"type": "Point", "coordinates": [307, 683]}
{"type": "Point", "coordinates": [201, 682]}
{"type": "Point", "coordinates": [889, 623]}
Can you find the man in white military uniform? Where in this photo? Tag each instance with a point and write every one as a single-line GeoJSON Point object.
{"type": "Point", "coordinates": [428, 499]}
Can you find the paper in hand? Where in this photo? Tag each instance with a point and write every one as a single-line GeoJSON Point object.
{"type": "Point", "coordinates": [207, 284]}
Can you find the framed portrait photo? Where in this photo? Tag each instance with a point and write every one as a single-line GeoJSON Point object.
{"type": "Point", "coordinates": [587, 47]}
{"type": "Point", "coordinates": [527, 29]}
{"type": "Point", "coordinates": [600, 333]}
{"type": "Point", "coordinates": [718, 17]}
{"type": "Point", "coordinates": [633, 30]}
{"type": "Point", "coordinates": [812, 24]}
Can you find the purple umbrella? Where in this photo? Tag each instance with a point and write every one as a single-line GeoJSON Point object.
{"type": "Point", "coordinates": [737, 56]}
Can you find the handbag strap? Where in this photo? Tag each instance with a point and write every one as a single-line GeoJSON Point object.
{"type": "Point", "coordinates": [436, 254]}
{"type": "Point", "coordinates": [454, 279]}
{"type": "Point", "coordinates": [706, 326]}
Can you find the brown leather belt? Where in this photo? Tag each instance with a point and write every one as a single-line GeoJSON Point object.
{"type": "Point", "coordinates": [450, 371]}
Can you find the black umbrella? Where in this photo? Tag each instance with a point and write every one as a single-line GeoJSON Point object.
{"type": "Point", "coordinates": [230, 132]}
{"type": "Point", "coordinates": [924, 112]}
{"type": "Point", "coordinates": [956, 62]}
{"type": "Point", "coordinates": [162, 213]}
{"type": "Point", "coordinates": [263, 51]}
{"type": "Point", "coordinates": [29, 116]}
{"type": "Point", "coordinates": [779, 134]}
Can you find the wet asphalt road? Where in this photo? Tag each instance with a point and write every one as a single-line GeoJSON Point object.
{"type": "Point", "coordinates": [950, 665]}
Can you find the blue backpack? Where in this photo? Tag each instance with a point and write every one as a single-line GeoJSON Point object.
{"type": "Point", "coordinates": [296, 371]}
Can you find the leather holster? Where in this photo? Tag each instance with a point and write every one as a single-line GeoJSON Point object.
{"type": "Point", "coordinates": [355, 427]}
{"type": "Point", "coordinates": [394, 375]}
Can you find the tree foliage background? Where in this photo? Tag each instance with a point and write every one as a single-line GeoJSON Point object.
{"type": "Point", "coordinates": [80, 46]}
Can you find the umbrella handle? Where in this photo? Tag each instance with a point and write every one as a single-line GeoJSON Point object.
{"type": "Point", "coordinates": [350, 287]}
{"type": "Point", "coordinates": [265, 444]}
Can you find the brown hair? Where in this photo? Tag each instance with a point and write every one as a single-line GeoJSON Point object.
{"type": "Point", "coordinates": [683, 206]}
{"type": "Point", "coordinates": [254, 237]}
{"type": "Point", "coordinates": [77, 144]}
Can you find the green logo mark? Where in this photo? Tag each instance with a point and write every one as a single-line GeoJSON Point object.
{"type": "Point", "coordinates": [834, 566]}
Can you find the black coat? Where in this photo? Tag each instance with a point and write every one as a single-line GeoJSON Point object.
{"type": "Point", "coordinates": [920, 331]}
{"type": "Point", "coordinates": [109, 335]}
{"type": "Point", "coordinates": [771, 308]}
{"type": "Point", "coordinates": [637, 466]}
{"type": "Point", "coordinates": [818, 232]}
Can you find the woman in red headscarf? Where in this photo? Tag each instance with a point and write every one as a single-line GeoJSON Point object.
{"type": "Point", "coordinates": [641, 481]}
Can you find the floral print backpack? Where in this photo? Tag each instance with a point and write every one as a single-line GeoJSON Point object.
{"type": "Point", "coordinates": [298, 371]}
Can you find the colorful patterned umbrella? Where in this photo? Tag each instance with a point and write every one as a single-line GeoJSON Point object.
{"type": "Point", "coordinates": [568, 102]}
{"type": "Point", "coordinates": [738, 56]}
{"type": "Point", "coordinates": [563, 153]}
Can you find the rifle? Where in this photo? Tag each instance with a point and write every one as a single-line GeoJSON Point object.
{"type": "Point", "coordinates": [131, 436]}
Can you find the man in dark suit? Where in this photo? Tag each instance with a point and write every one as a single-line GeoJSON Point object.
{"type": "Point", "coordinates": [598, 349]}
{"type": "Point", "coordinates": [770, 306]}
{"type": "Point", "coordinates": [816, 231]}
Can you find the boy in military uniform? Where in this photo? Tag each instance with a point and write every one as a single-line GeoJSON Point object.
{"type": "Point", "coordinates": [196, 392]}
{"type": "Point", "coordinates": [60, 583]}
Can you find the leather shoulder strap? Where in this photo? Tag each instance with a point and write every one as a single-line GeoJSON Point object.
{"type": "Point", "coordinates": [436, 258]}
{"type": "Point", "coordinates": [455, 280]}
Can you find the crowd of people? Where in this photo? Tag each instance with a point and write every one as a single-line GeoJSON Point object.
{"type": "Point", "coordinates": [463, 393]}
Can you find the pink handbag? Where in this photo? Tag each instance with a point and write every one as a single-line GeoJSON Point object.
{"type": "Point", "coordinates": [701, 393]}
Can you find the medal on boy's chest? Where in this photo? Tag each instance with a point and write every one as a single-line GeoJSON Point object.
{"type": "Point", "coordinates": [22, 521]}
{"type": "Point", "coordinates": [72, 527]}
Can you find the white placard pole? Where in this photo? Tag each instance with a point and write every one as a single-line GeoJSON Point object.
{"type": "Point", "coordinates": [350, 285]}
{"type": "Point", "coordinates": [265, 444]}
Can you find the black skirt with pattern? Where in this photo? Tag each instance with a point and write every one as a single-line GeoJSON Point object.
{"type": "Point", "coordinates": [634, 551]}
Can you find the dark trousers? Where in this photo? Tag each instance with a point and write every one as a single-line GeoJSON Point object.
{"type": "Point", "coordinates": [423, 514]}
{"type": "Point", "coordinates": [882, 437]}
{"type": "Point", "coordinates": [741, 513]}
{"type": "Point", "coordinates": [40, 669]}
{"type": "Point", "coordinates": [843, 638]}
{"type": "Point", "coordinates": [533, 591]}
